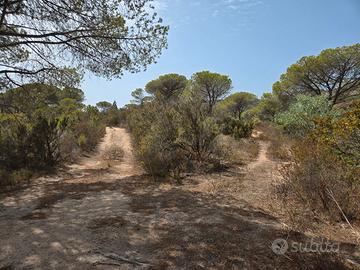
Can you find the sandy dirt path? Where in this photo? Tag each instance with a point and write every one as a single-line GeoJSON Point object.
{"type": "Point", "coordinates": [114, 159]}
{"type": "Point", "coordinates": [260, 174]}
{"type": "Point", "coordinates": [104, 213]}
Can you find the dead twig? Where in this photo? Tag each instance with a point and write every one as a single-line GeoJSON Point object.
{"type": "Point", "coordinates": [116, 257]}
{"type": "Point", "coordinates": [331, 194]}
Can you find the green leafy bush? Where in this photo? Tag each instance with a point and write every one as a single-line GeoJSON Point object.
{"type": "Point", "coordinates": [153, 127]}
{"type": "Point", "coordinates": [238, 128]}
{"type": "Point", "coordinates": [172, 136]}
{"type": "Point", "coordinates": [301, 116]}
{"type": "Point", "coordinates": [42, 127]}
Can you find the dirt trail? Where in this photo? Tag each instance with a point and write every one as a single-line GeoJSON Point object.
{"type": "Point", "coordinates": [113, 159]}
{"type": "Point", "coordinates": [103, 213]}
{"type": "Point", "coordinates": [259, 176]}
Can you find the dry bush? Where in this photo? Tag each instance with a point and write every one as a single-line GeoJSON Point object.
{"type": "Point", "coordinates": [88, 134]}
{"type": "Point", "coordinates": [279, 149]}
{"type": "Point", "coordinates": [5, 179]}
{"type": "Point", "coordinates": [68, 147]}
{"type": "Point", "coordinates": [113, 153]}
{"type": "Point", "coordinates": [234, 151]}
{"type": "Point", "coordinates": [321, 182]}
{"type": "Point", "coordinates": [225, 185]}
{"type": "Point", "coordinates": [14, 178]}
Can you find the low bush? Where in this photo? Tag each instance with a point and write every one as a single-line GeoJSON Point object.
{"type": "Point", "coordinates": [319, 180]}
{"type": "Point", "coordinates": [87, 133]}
{"type": "Point", "coordinates": [48, 129]}
{"type": "Point", "coordinates": [324, 174]}
{"type": "Point", "coordinates": [238, 128]}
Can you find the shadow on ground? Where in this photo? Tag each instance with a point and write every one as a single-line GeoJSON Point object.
{"type": "Point", "coordinates": [151, 226]}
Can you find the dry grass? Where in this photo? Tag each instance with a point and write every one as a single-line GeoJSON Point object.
{"type": "Point", "coordinates": [100, 223]}
{"type": "Point", "coordinates": [113, 152]}
{"type": "Point", "coordinates": [279, 149]}
{"type": "Point", "coordinates": [236, 152]}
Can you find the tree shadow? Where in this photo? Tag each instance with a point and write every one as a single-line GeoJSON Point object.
{"type": "Point", "coordinates": [167, 226]}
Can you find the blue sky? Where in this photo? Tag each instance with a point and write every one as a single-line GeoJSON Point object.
{"type": "Point", "coordinates": [253, 41]}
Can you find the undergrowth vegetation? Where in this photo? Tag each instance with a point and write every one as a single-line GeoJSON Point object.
{"type": "Point", "coordinates": [43, 126]}
{"type": "Point", "coordinates": [176, 129]}
{"type": "Point", "coordinates": [236, 151]}
{"type": "Point", "coordinates": [314, 127]}
{"type": "Point", "coordinates": [323, 173]}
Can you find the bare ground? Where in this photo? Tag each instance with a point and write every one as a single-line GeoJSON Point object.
{"type": "Point", "coordinates": [104, 213]}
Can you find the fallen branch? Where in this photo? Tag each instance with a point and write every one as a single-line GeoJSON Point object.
{"type": "Point", "coordinates": [116, 257]}
{"type": "Point", "coordinates": [331, 194]}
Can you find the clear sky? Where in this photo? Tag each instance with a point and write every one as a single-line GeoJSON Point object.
{"type": "Point", "coordinates": [253, 41]}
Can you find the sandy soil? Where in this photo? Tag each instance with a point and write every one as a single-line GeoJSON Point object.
{"type": "Point", "coordinates": [104, 213]}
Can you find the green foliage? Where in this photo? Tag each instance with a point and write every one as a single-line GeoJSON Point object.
{"type": "Point", "coordinates": [266, 109]}
{"type": "Point", "coordinates": [334, 73]}
{"type": "Point", "coordinates": [73, 93]}
{"type": "Point", "coordinates": [29, 98]}
{"type": "Point", "coordinates": [68, 38]}
{"type": "Point", "coordinates": [167, 86]}
{"type": "Point", "coordinates": [42, 125]}
{"type": "Point", "coordinates": [33, 146]}
{"type": "Point", "coordinates": [236, 104]}
{"type": "Point", "coordinates": [234, 114]}
{"type": "Point", "coordinates": [172, 135]}
{"type": "Point", "coordinates": [301, 116]}
{"type": "Point", "coordinates": [82, 140]}
{"type": "Point", "coordinates": [211, 87]}
{"type": "Point", "coordinates": [238, 128]}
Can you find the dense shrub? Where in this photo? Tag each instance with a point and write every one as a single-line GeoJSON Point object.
{"type": "Point", "coordinates": [301, 116]}
{"type": "Point", "coordinates": [238, 128]}
{"type": "Point", "coordinates": [174, 135]}
{"type": "Point", "coordinates": [317, 177]}
{"type": "Point", "coordinates": [30, 146]}
{"type": "Point", "coordinates": [41, 126]}
{"type": "Point", "coordinates": [158, 150]}
{"type": "Point", "coordinates": [196, 129]}
{"type": "Point", "coordinates": [325, 174]}
{"type": "Point", "coordinates": [342, 134]}
{"type": "Point", "coordinates": [87, 131]}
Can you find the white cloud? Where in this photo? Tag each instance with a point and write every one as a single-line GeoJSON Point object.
{"type": "Point", "coordinates": [239, 5]}
{"type": "Point", "coordinates": [242, 9]}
